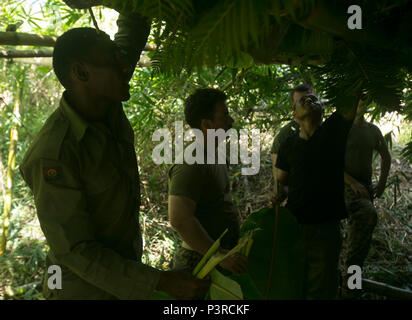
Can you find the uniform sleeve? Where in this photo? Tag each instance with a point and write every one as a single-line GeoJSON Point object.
{"type": "Point", "coordinates": [132, 34]}
{"type": "Point", "coordinates": [282, 159]}
{"type": "Point", "coordinates": [283, 134]}
{"type": "Point", "coordinates": [68, 228]}
{"type": "Point", "coordinates": [186, 180]}
{"type": "Point", "coordinates": [380, 142]}
{"type": "Point", "coordinates": [276, 144]}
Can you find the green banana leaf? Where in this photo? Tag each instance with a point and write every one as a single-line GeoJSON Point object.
{"type": "Point", "coordinates": [248, 286]}
{"type": "Point", "coordinates": [160, 295]}
{"type": "Point", "coordinates": [224, 288]}
{"type": "Point", "coordinates": [287, 274]}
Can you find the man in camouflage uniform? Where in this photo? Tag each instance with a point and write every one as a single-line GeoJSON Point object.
{"type": "Point", "coordinates": [364, 138]}
{"type": "Point", "coordinates": [83, 172]}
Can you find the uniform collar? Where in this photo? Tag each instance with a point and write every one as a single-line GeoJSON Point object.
{"type": "Point", "coordinates": [117, 121]}
{"type": "Point", "coordinates": [78, 124]}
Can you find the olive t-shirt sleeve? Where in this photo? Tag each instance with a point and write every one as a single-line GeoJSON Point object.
{"type": "Point", "coordinates": [185, 180]}
{"type": "Point", "coordinates": [284, 133]}
{"type": "Point", "coordinates": [280, 137]}
{"type": "Point", "coordinates": [378, 137]}
{"type": "Point", "coordinates": [276, 144]}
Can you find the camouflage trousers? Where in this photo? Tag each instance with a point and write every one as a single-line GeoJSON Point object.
{"type": "Point", "coordinates": [362, 219]}
{"type": "Point", "coordinates": [185, 259]}
{"type": "Point", "coordinates": [321, 248]}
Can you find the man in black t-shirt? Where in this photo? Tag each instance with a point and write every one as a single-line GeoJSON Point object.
{"type": "Point", "coordinates": [311, 164]}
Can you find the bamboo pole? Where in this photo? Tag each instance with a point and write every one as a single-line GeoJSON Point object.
{"type": "Point", "coordinates": [2, 180]}
{"type": "Point", "coordinates": [10, 170]}
{"type": "Point", "coordinates": [25, 53]}
{"type": "Point", "coordinates": [274, 244]}
{"type": "Point", "coordinates": [26, 39]}
{"type": "Point", "coordinates": [43, 62]}
{"type": "Point", "coordinates": [386, 290]}
{"type": "Point", "coordinates": [48, 62]}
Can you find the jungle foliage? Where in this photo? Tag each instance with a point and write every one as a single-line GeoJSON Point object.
{"type": "Point", "coordinates": [256, 59]}
{"type": "Point", "coordinates": [239, 33]}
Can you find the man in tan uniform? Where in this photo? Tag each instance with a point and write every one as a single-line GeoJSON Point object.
{"type": "Point", "coordinates": [83, 172]}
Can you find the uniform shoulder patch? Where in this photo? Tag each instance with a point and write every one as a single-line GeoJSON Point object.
{"type": "Point", "coordinates": [52, 173]}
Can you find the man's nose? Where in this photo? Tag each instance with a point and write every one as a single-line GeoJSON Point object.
{"type": "Point", "coordinates": [125, 65]}
{"type": "Point", "coordinates": [128, 71]}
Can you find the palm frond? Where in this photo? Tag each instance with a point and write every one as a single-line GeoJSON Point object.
{"type": "Point", "coordinates": [353, 70]}
{"type": "Point", "coordinates": [164, 10]}
{"type": "Point", "coordinates": [226, 30]}
{"type": "Point", "coordinates": [406, 152]}
{"type": "Point", "coordinates": [197, 33]}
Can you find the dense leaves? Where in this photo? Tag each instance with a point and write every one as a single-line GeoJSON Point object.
{"type": "Point", "coordinates": [375, 59]}
{"type": "Point", "coordinates": [258, 98]}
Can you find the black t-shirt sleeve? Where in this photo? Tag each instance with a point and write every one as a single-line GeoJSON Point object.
{"type": "Point", "coordinates": [282, 159]}
{"type": "Point", "coordinates": [337, 128]}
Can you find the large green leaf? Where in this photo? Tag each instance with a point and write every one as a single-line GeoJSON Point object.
{"type": "Point", "coordinates": [224, 288]}
{"type": "Point", "coordinates": [287, 275]}
{"type": "Point", "coordinates": [160, 295]}
{"type": "Point", "coordinates": [249, 289]}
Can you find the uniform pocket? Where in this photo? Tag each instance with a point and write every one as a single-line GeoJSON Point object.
{"type": "Point", "coordinates": [100, 179]}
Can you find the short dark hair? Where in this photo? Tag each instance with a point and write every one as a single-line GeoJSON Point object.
{"type": "Point", "coordinates": [201, 105]}
{"type": "Point", "coordinates": [73, 45]}
{"type": "Point", "coordinates": [300, 88]}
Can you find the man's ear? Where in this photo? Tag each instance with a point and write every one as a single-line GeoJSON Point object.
{"type": "Point", "coordinates": [206, 124]}
{"type": "Point", "coordinates": [79, 71]}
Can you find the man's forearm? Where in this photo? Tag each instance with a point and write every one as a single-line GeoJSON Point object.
{"type": "Point", "coordinates": [348, 179]}
{"type": "Point", "coordinates": [132, 35]}
{"type": "Point", "coordinates": [192, 233]}
{"type": "Point", "coordinates": [106, 269]}
{"type": "Point", "coordinates": [281, 184]}
{"type": "Point", "coordinates": [385, 167]}
{"type": "Point", "coordinates": [281, 190]}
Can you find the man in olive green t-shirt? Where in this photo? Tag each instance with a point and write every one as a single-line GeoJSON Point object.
{"type": "Point", "coordinates": [200, 202]}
